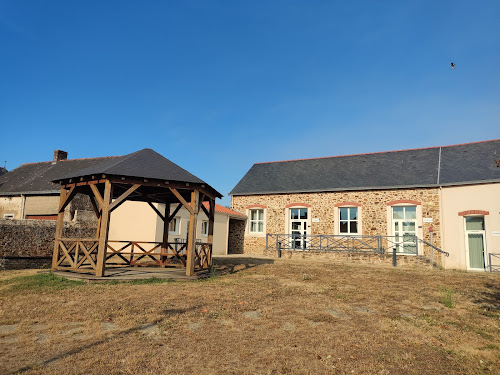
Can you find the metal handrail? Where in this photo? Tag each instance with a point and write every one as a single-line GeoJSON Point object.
{"type": "Point", "coordinates": [434, 247]}
{"type": "Point", "coordinates": [494, 268]}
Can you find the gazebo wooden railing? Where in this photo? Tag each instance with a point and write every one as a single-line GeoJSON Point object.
{"type": "Point", "coordinates": [106, 193]}
{"type": "Point", "coordinates": [80, 254]}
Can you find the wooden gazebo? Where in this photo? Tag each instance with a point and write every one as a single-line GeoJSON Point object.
{"type": "Point", "coordinates": [144, 176]}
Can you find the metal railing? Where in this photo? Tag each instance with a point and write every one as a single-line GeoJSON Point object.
{"type": "Point", "coordinates": [404, 245]}
{"type": "Point", "coordinates": [494, 257]}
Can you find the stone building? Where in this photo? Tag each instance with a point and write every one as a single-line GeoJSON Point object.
{"type": "Point", "coordinates": [394, 199]}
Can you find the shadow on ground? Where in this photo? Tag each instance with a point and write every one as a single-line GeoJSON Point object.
{"type": "Point", "coordinates": [490, 298]}
{"type": "Point", "coordinates": [229, 265]}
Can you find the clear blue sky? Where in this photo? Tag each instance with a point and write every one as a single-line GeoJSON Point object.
{"type": "Point", "coordinates": [216, 86]}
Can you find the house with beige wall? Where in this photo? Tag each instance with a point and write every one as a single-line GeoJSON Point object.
{"type": "Point", "coordinates": [446, 197]}
{"type": "Point", "coordinates": [27, 193]}
{"type": "Point", "coordinates": [136, 221]}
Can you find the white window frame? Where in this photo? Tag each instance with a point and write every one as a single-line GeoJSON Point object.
{"type": "Point", "coordinates": [249, 222]}
{"type": "Point", "coordinates": [418, 224]}
{"type": "Point", "coordinates": [8, 216]}
{"type": "Point", "coordinates": [304, 223]}
{"type": "Point", "coordinates": [336, 221]}
{"type": "Point", "coordinates": [348, 221]}
{"type": "Point", "coordinates": [177, 222]}
{"type": "Point", "coordinates": [204, 223]}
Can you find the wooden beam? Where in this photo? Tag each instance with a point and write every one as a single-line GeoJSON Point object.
{"type": "Point", "coordinates": [179, 206]}
{"type": "Point", "coordinates": [164, 245]}
{"type": "Point", "coordinates": [193, 218]}
{"type": "Point", "coordinates": [118, 201]}
{"type": "Point", "coordinates": [104, 231]}
{"type": "Point", "coordinates": [59, 229]}
{"type": "Point", "coordinates": [182, 200]}
{"type": "Point", "coordinates": [94, 205]}
{"type": "Point", "coordinates": [202, 206]}
{"type": "Point", "coordinates": [156, 210]}
{"type": "Point", "coordinates": [67, 199]}
{"type": "Point", "coordinates": [210, 239]}
{"type": "Point", "coordinates": [97, 195]}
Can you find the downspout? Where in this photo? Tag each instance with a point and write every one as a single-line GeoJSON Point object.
{"type": "Point", "coordinates": [23, 204]}
{"type": "Point", "coordinates": [440, 198]}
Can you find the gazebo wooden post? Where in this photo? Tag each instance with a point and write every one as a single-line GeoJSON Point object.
{"type": "Point", "coordinates": [59, 229]}
{"type": "Point", "coordinates": [164, 245]}
{"type": "Point", "coordinates": [104, 229]}
{"type": "Point", "coordinates": [210, 238]}
{"type": "Point", "coordinates": [193, 218]}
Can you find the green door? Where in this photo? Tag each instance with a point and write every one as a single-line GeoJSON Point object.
{"type": "Point", "coordinates": [474, 230]}
{"type": "Point", "coordinates": [476, 250]}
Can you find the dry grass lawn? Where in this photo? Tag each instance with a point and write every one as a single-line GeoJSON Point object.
{"type": "Point", "coordinates": [255, 317]}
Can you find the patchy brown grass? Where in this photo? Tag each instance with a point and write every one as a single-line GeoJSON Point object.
{"type": "Point", "coordinates": [258, 317]}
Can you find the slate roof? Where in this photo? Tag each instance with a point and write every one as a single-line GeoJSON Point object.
{"type": "Point", "coordinates": [146, 163]}
{"type": "Point", "coordinates": [36, 178]}
{"type": "Point", "coordinates": [426, 167]}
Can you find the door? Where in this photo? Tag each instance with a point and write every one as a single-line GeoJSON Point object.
{"type": "Point", "coordinates": [474, 242]}
{"type": "Point", "coordinates": [404, 228]}
{"type": "Point", "coordinates": [298, 227]}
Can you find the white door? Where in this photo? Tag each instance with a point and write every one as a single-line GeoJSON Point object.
{"type": "Point", "coordinates": [298, 227]}
{"type": "Point", "coordinates": [404, 228]}
{"type": "Point", "coordinates": [474, 242]}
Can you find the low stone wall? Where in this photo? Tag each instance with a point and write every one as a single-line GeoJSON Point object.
{"type": "Point", "coordinates": [372, 258]}
{"type": "Point", "coordinates": [20, 239]}
{"type": "Point", "coordinates": [20, 263]}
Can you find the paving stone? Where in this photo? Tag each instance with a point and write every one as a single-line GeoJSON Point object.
{"type": "Point", "coordinates": [109, 326]}
{"type": "Point", "coordinates": [251, 314]}
{"type": "Point", "coordinates": [149, 329]}
{"type": "Point", "coordinates": [408, 316]}
{"type": "Point", "coordinates": [73, 331]}
{"type": "Point", "coordinates": [41, 338]}
{"type": "Point", "coordinates": [314, 324]}
{"type": "Point", "coordinates": [39, 327]}
{"type": "Point", "coordinates": [335, 313]}
{"type": "Point", "coordinates": [9, 339]}
{"type": "Point", "coordinates": [8, 328]}
{"type": "Point", "coordinates": [364, 309]}
{"type": "Point", "coordinates": [194, 326]}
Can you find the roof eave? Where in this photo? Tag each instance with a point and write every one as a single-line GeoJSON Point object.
{"type": "Point", "coordinates": [42, 192]}
{"type": "Point", "coordinates": [423, 186]}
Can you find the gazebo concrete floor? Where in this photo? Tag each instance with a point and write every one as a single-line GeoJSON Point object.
{"type": "Point", "coordinates": [132, 273]}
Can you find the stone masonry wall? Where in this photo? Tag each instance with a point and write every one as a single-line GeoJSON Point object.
{"type": "Point", "coordinates": [373, 211]}
{"type": "Point", "coordinates": [236, 236]}
{"type": "Point", "coordinates": [35, 238]}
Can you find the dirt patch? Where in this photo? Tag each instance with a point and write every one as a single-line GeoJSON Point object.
{"type": "Point", "coordinates": [280, 317]}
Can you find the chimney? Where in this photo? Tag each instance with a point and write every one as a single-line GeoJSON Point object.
{"type": "Point", "coordinates": [59, 155]}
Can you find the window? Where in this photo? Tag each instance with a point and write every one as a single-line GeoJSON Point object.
{"type": "Point", "coordinates": [8, 216]}
{"type": "Point", "coordinates": [404, 225]}
{"type": "Point", "coordinates": [173, 226]}
{"type": "Point", "coordinates": [204, 228]}
{"type": "Point", "coordinates": [256, 221]}
{"type": "Point", "coordinates": [348, 220]}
